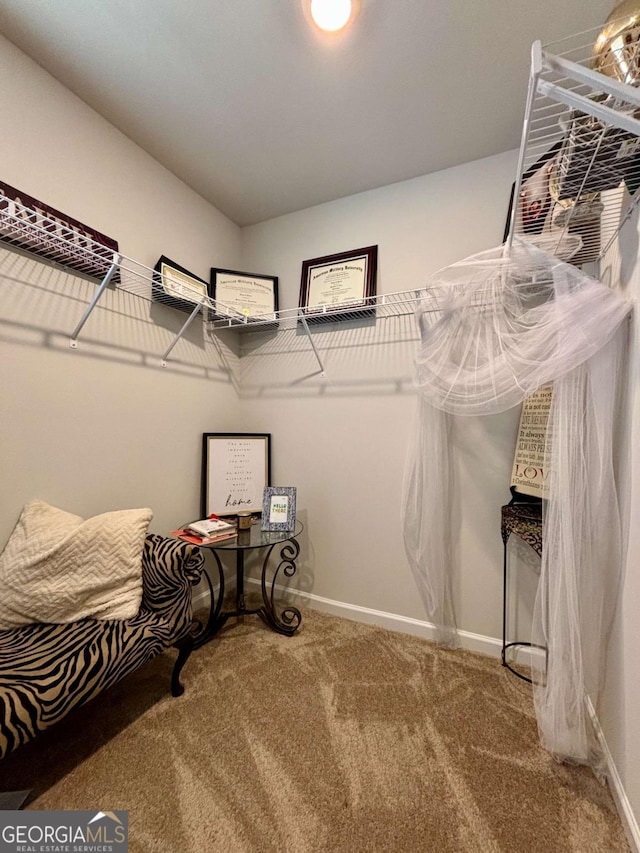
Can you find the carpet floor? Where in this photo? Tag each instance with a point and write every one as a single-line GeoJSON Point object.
{"type": "Point", "coordinates": [345, 737]}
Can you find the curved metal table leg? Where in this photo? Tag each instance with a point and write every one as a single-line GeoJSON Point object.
{"type": "Point", "coordinates": [505, 531]}
{"type": "Point", "coordinates": [288, 620]}
{"type": "Point", "coordinates": [505, 539]}
{"type": "Point", "coordinates": [216, 618]}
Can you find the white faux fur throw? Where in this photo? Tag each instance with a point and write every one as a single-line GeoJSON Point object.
{"type": "Point", "coordinates": [57, 567]}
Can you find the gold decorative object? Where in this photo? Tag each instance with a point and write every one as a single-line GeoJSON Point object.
{"type": "Point", "coordinates": [616, 51]}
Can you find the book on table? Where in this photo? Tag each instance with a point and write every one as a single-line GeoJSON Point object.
{"type": "Point", "coordinates": [196, 539]}
{"type": "Point", "coordinates": [209, 527]}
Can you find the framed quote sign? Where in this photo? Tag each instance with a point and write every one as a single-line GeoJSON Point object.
{"type": "Point", "coordinates": [236, 468]}
{"type": "Point", "coordinates": [529, 475]}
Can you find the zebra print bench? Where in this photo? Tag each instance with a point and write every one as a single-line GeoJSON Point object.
{"type": "Point", "coordinates": [46, 670]}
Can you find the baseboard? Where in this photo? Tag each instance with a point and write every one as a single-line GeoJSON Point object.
{"type": "Point", "coordinates": [394, 622]}
{"type": "Point", "coordinates": [616, 787]}
{"type": "Point", "coordinates": [403, 624]}
{"type": "Point", "coordinates": [391, 621]}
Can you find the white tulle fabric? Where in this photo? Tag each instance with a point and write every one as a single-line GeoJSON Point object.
{"type": "Point", "coordinates": [494, 328]}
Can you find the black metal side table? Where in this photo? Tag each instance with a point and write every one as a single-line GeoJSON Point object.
{"type": "Point", "coordinates": [525, 520]}
{"type": "Point", "coordinates": [286, 547]}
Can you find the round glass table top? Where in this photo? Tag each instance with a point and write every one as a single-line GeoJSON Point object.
{"type": "Point", "coordinates": [254, 537]}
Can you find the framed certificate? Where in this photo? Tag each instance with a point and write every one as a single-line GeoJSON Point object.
{"type": "Point", "coordinates": [331, 284]}
{"type": "Point", "coordinates": [176, 286]}
{"type": "Point", "coordinates": [246, 294]}
{"type": "Point", "coordinates": [236, 468]}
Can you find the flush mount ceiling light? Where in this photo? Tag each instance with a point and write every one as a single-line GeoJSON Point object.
{"type": "Point", "coordinates": [332, 15]}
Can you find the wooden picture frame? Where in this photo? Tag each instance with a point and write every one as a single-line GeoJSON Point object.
{"type": "Point", "coordinates": [331, 287]}
{"type": "Point", "coordinates": [236, 468]}
{"type": "Point", "coordinates": [39, 229]}
{"type": "Point", "coordinates": [175, 286]}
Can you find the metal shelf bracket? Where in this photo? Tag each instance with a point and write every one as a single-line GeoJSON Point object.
{"type": "Point", "coordinates": [73, 342]}
{"type": "Point", "coordinates": [184, 328]}
{"type": "Point", "coordinates": [305, 326]}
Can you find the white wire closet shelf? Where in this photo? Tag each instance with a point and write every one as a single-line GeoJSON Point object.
{"type": "Point", "coordinates": [577, 182]}
{"type": "Point", "coordinates": [32, 231]}
{"type": "Point", "coordinates": [385, 305]}
{"type": "Point", "coordinates": [578, 174]}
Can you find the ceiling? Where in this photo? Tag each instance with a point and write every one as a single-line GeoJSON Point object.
{"type": "Point", "coordinates": [263, 115]}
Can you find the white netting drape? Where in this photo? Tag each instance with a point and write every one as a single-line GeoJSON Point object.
{"type": "Point", "coordinates": [494, 328]}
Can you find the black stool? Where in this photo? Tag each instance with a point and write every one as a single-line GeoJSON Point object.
{"type": "Point", "coordinates": [525, 520]}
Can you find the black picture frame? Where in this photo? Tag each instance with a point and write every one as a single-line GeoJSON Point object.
{"type": "Point", "coordinates": [173, 283]}
{"type": "Point", "coordinates": [245, 297]}
{"type": "Point", "coordinates": [336, 286]}
{"type": "Point", "coordinates": [236, 469]}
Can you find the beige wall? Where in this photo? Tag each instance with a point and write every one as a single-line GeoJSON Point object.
{"type": "Point", "coordinates": [104, 426]}
{"type": "Point", "coordinates": [342, 439]}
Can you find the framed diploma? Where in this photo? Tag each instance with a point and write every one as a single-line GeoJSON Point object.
{"type": "Point", "coordinates": [338, 283]}
{"type": "Point", "coordinates": [236, 469]}
{"type": "Point", "coordinates": [176, 286]}
{"type": "Point", "coordinates": [246, 294]}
